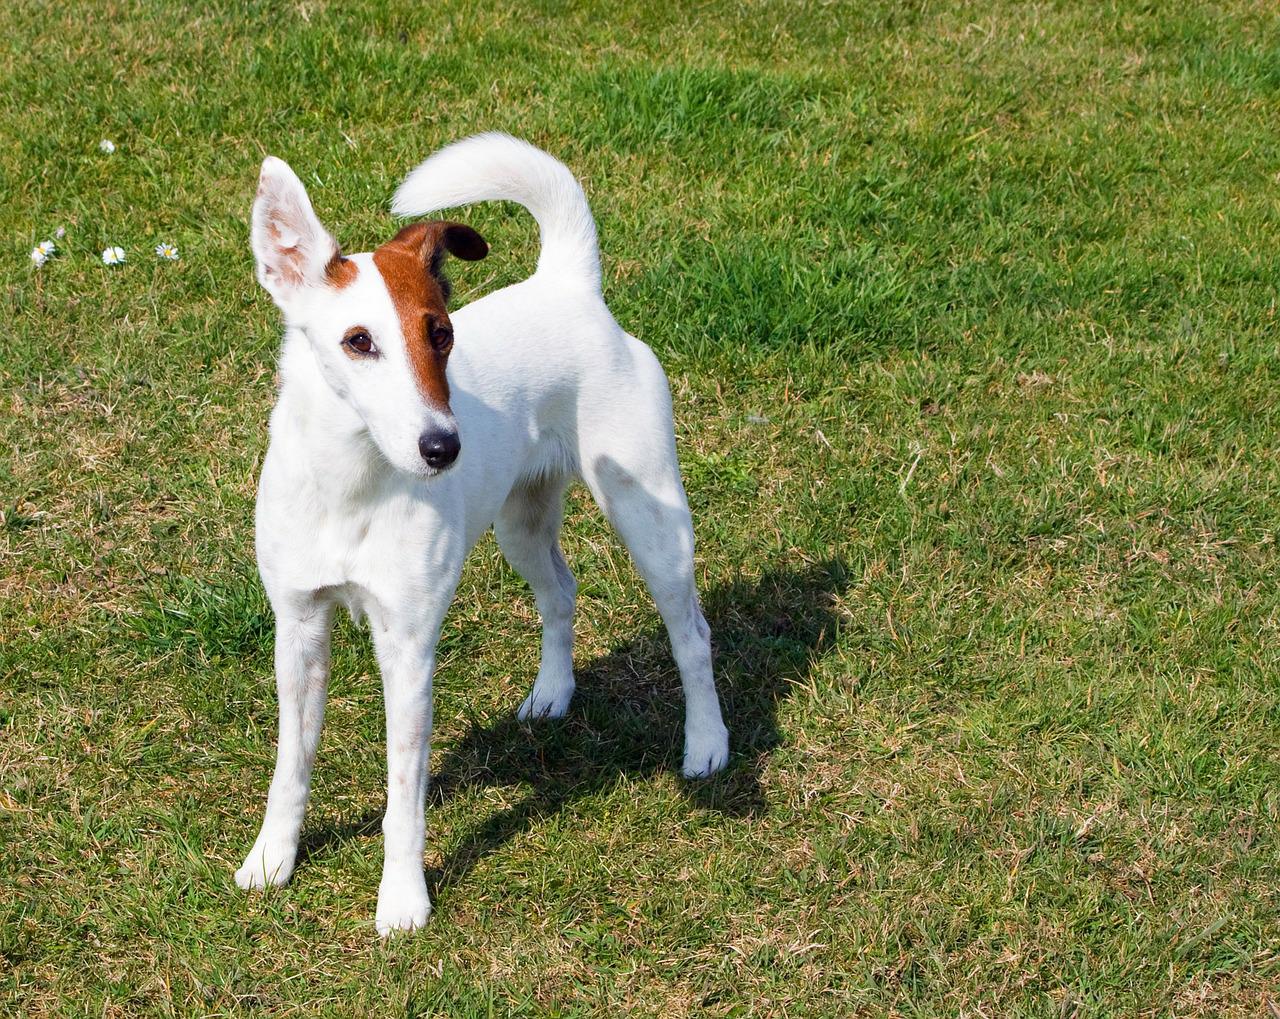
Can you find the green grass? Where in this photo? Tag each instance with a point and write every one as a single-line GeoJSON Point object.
{"type": "Point", "coordinates": [970, 316]}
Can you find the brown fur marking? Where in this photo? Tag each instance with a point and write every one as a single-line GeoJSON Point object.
{"type": "Point", "coordinates": [406, 263]}
{"type": "Point", "coordinates": [339, 271]}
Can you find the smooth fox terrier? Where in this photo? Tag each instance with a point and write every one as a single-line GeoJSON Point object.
{"type": "Point", "coordinates": [393, 448]}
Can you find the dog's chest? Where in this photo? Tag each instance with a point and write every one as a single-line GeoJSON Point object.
{"type": "Point", "coordinates": [309, 542]}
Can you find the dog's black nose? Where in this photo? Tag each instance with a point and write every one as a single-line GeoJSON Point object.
{"type": "Point", "coordinates": [439, 449]}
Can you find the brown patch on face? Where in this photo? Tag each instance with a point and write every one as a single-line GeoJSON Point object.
{"type": "Point", "coordinates": [406, 262]}
{"type": "Point", "coordinates": [340, 272]}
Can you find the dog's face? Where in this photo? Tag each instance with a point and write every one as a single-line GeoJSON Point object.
{"type": "Point", "coordinates": [377, 322]}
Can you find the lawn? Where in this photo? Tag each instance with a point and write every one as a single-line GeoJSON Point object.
{"type": "Point", "coordinates": [970, 317]}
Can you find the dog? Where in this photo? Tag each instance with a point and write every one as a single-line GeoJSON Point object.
{"type": "Point", "coordinates": [401, 433]}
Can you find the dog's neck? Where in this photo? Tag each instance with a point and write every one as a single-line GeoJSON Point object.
{"type": "Point", "coordinates": [328, 444]}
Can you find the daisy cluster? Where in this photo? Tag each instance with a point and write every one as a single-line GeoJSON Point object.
{"type": "Point", "coordinates": [113, 255]}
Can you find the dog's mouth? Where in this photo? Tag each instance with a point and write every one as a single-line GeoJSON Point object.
{"type": "Point", "coordinates": [433, 472]}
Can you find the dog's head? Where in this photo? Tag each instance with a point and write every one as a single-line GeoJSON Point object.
{"type": "Point", "coordinates": [377, 322]}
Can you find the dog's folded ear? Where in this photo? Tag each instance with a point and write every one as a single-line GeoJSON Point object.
{"type": "Point", "coordinates": [461, 240]}
{"type": "Point", "coordinates": [293, 249]}
{"type": "Point", "coordinates": [433, 240]}
{"type": "Point", "coordinates": [457, 239]}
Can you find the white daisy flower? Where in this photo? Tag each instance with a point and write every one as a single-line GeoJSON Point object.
{"type": "Point", "coordinates": [60, 233]}
{"type": "Point", "coordinates": [113, 256]}
{"type": "Point", "coordinates": [43, 251]}
{"type": "Point", "coordinates": [169, 252]}
{"type": "Point", "coordinates": [107, 146]}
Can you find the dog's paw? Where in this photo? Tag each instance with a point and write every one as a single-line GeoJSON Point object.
{"type": "Point", "coordinates": [705, 753]}
{"type": "Point", "coordinates": [268, 863]}
{"type": "Point", "coordinates": [547, 699]}
{"type": "Point", "coordinates": [403, 905]}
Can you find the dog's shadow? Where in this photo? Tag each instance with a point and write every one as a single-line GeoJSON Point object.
{"type": "Point", "coordinates": [626, 719]}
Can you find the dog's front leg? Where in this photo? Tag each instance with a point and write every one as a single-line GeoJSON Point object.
{"type": "Point", "coordinates": [302, 680]}
{"type": "Point", "coordinates": [407, 659]}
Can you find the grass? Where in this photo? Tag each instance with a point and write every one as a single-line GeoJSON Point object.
{"type": "Point", "coordinates": [970, 316]}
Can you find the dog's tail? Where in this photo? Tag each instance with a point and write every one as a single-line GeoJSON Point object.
{"type": "Point", "coordinates": [493, 166]}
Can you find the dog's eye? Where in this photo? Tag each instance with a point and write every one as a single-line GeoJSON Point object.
{"type": "Point", "coordinates": [359, 342]}
{"type": "Point", "coordinates": [441, 338]}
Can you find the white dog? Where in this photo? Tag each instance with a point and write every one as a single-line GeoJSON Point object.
{"type": "Point", "coordinates": [384, 470]}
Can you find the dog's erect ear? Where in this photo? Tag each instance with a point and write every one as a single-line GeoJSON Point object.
{"type": "Point", "coordinates": [291, 246]}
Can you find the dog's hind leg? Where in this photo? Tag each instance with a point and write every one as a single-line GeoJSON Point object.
{"type": "Point", "coordinates": [302, 680]}
{"type": "Point", "coordinates": [629, 463]}
{"type": "Point", "coordinates": [528, 531]}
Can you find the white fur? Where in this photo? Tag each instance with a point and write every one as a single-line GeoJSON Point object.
{"type": "Point", "coordinates": [546, 388]}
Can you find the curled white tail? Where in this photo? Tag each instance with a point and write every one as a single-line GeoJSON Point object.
{"type": "Point", "coordinates": [488, 167]}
